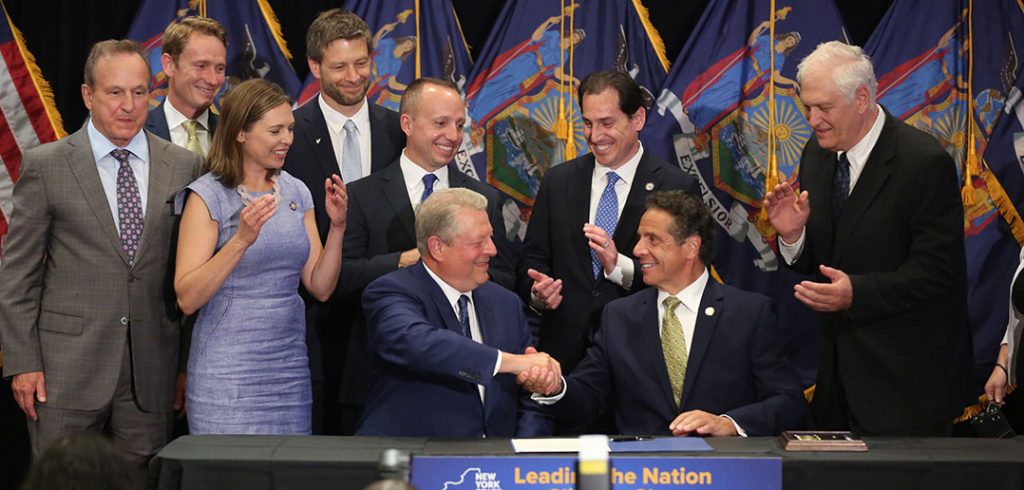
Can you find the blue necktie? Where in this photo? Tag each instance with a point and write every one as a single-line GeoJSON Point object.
{"type": "Point", "coordinates": [607, 216]}
{"type": "Point", "coordinates": [351, 168]}
{"type": "Point", "coordinates": [428, 187]}
{"type": "Point", "coordinates": [464, 314]}
{"type": "Point", "coordinates": [840, 187]}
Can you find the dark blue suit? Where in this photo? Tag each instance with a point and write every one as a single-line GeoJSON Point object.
{"type": "Point", "coordinates": [736, 367]}
{"type": "Point", "coordinates": [311, 159]}
{"type": "Point", "coordinates": [156, 122]}
{"type": "Point", "coordinates": [424, 373]}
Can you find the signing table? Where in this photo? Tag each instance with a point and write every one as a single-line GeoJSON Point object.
{"type": "Point", "coordinates": [311, 462]}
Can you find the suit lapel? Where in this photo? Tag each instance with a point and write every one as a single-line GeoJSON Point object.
{"type": "Point", "coordinates": [704, 329]}
{"type": "Point", "coordinates": [451, 322]}
{"type": "Point", "coordinates": [577, 193]}
{"type": "Point", "coordinates": [83, 167]}
{"type": "Point", "coordinates": [625, 230]}
{"type": "Point", "coordinates": [160, 171]}
{"type": "Point", "coordinates": [379, 141]}
{"type": "Point", "coordinates": [156, 122]}
{"type": "Point", "coordinates": [872, 179]}
{"type": "Point", "coordinates": [319, 140]}
{"type": "Point", "coordinates": [650, 338]}
{"type": "Point", "coordinates": [393, 186]}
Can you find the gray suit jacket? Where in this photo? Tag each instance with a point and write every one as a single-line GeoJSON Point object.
{"type": "Point", "coordinates": [68, 297]}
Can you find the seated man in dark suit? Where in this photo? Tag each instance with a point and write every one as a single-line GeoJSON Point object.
{"type": "Point", "coordinates": [688, 356]}
{"type": "Point", "coordinates": [446, 342]}
{"type": "Point", "coordinates": [194, 58]}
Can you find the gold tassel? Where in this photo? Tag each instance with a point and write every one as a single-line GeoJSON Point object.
{"type": "Point", "coordinates": [971, 166]}
{"type": "Point", "coordinates": [42, 86]}
{"type": "Point", "coordinates": [275, 27]}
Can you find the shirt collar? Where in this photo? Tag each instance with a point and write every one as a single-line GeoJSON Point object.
{"type": "Point", "coordinates": [413, 174]}
{"type": "Point", "coordinates": [859, 153]}
{"type": "Point", "coordinates": [336, 120]}
{"type": "Point", "coordinates": [101, 146]}
{"type": "Point", "coordinates": [450, 293]}
{"type": "Point", "coordinates": [691, 295]}
{"type": "Point", "coordinates": [626, 172]}
{"type": "Point", "coordinates": [175, 118]}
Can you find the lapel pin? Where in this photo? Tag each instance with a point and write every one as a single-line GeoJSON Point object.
{"type": "Point", "coordinates": [318, 141]}
{"type": "Point", "coordinates": [649, 186]}
{"type": "Point", "coordinates": [709, 311]}
{"type": "Point", "coordinates": [296, 206]}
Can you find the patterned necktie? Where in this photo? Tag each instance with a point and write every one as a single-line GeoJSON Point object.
{"type": "Point", "coordinates": [840, 186]}
{"type": "Point", "coordinates": [464, 315]}
{"type": "Point", "coordinates": [129, 205]}
{"type": "Point", "coordinates": [192, 143]}
{"type": "Point", "coordinates": [607, 216]}
{"type": "Point", "coordinates": [428, 186]}
{"type": "Point", "coordinates": [351, 169]}
{"type": "Point", "coordinates": [673, 344]}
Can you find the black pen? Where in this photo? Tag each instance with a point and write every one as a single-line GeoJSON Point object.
{"type": "Point", "coordinates": [630, 438]}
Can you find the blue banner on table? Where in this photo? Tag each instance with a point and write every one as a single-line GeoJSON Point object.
{"type": "Point", "coordinates": [256, 48]}
{"type": "Point", "coordinates": [921, 53]}
{"type": "Point", "coordinates": [28, 116]}
{"type": "Point", "coordinates": [523, 113]}
{"type": "Point", "coordinates": [652, 473]}
{"type": "Point", "coordinates": [409, 41]}
{"type": "Point", "coordinates": [712, 119]}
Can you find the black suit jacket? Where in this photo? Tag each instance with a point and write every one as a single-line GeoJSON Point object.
{"type": "Point", "coordinates": [381, 225]}
{"type": "Point", "coordinates": [311, 158]}
{"type": "Point", "coordinates": [902, 351]}
{"type": "Point", "coordinates": [556, 246]}
{"type": "Point", "coordinates": [736, 367]}
{"type": "Point", "coordinates": [156, 122]}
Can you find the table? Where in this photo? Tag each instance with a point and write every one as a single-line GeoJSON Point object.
{"type": "Point", "coordinates": [310, 462]}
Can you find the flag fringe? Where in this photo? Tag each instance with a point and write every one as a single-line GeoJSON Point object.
{"type": "Point", "coordinates": [652, 34]}
{"type": "Point", "coordinates": [275, 27]}
{"type": "Point", "coordinates": [42, 86]}
{"type": "Point", "coordinates": [1004, 204]}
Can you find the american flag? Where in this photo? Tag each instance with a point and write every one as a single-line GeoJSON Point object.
{"type": "Point", "coordinates": [28, 116]}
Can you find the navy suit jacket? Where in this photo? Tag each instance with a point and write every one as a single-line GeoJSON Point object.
{"type": "Point", "coordinates": [381, 225]}
{"type": "Point", "coordinates": [311, 157]}
{"type": "Point", "coordinates": [424, 373]}
{"type": "Point", "coordinates": [556, 246]}
{"type": "Point", "coordinates": [736, 367]}
{"type": "Point", "coordinates": [156, 122]}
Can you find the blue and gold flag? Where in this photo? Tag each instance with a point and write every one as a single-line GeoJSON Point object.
{"type": "Point", "coordinates": [952, 69]}
{"type": "Point", "coordinates": [713, 118]}
{"type": "Point", "coordinates": [255, 45]}
{"type": "Point", "coordinates": [409, 41]}
{"type": "Point", "coordinates": [521, 96]}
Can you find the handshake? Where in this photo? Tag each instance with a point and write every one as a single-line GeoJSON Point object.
{"type": "Point", "coordinates": [536, 372]}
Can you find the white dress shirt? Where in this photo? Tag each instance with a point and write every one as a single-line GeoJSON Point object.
{"type": "Point", "coordinates": [179, 136]}
{"type": "Point", "coordinates": [858, 157]}
{"type": "Point", "coordinates": [413, 176]}
{"type": "Point", "coordinates": [336, 128]}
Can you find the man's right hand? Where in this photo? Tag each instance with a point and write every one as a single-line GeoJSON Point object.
{"type": "Point", "coordinates": [27, 387]}
{"type": "Point", "coordinates": [408, 257]}
{"type": "Point", "coordinates": [546, 291]}
{"type": "Point", "coordinates": [787, 211]}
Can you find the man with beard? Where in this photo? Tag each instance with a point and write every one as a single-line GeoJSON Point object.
{"type": "Point", "coordinates": [338, 133]}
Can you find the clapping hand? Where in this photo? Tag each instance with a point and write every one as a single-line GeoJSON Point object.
{"type": "Point", "coordinates": [254, 216]}
{"type": "Point", "coordinates": [336, 201]}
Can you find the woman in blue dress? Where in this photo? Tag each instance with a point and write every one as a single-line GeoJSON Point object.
{"type": "Point", "coordinates": [247, 239]}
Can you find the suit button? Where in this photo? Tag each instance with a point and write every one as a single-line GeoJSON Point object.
{"type": "Point", "coordinates": [124, 320]}
{"type": "Point", "coordinates": [131, 277]}
{"type": "Point", "coordinates": [595, 293]}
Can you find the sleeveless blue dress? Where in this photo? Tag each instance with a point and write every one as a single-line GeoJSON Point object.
{"type": "Point", "coordinates": [247, 371]}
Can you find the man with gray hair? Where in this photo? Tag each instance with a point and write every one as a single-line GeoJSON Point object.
{"type": "Point", "coordinates": [88, 318]}
{"type": "Point", "coordinates": [446, 344]}
{"type": "Point", "coordinates": [879, 219]}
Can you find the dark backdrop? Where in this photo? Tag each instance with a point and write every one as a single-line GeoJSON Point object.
{"type": "Point", "coordinates": [60, 32]}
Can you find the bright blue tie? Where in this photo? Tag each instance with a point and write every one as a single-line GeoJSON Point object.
{"type": "Point", "coordinates": [607, 216]}
{"type": "Point", "coordinates": [428, 186]}
{"type": "Point", "coordinates": [464, 314]}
